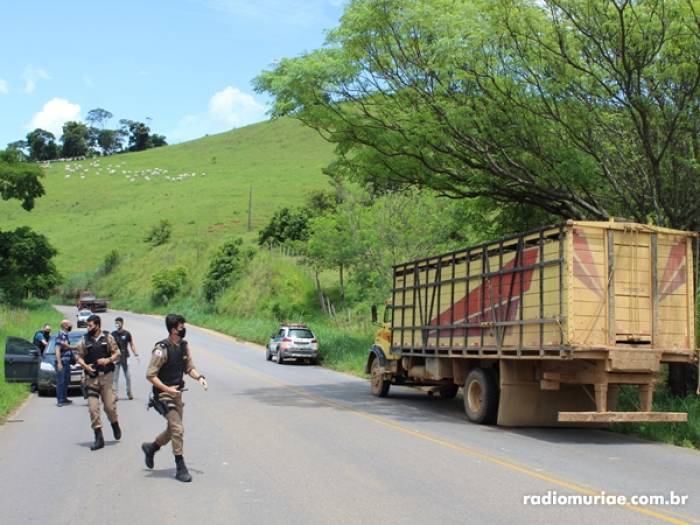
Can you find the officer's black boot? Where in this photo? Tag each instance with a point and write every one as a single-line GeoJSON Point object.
{"type": "Point", "coordinates": [99, 440]}
{"type": "Point", "coordinates": [116, 430]}
{"type": "Point", "coordinates": [182, 473]}
{"type": "Point", "coordinates": [150, 449]}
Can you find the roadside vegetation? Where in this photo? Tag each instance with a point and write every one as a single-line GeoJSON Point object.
{"type": "Point", "coordinates": [682, 434]}
{"type": "Point", "coordinates": [20, 321]}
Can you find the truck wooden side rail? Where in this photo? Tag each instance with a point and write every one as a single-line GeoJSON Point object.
{"type": "Point", "coordinates": [542, 328]}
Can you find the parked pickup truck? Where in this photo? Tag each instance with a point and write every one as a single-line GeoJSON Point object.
{"type": "Point", "coordinates": [88, 300]}
{"type": "Point", "coordinates": [542, 328]}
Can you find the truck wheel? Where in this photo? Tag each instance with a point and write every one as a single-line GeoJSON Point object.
{"type": "Point", "coordinates": [481, 397]}
{"type": "Point", "coordinates": [449, 392]}
{"type": "Point", "coordinates": [380, 386]}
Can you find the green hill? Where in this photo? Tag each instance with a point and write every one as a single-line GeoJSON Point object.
{"type": "Point", "coordinates": [201, 187]}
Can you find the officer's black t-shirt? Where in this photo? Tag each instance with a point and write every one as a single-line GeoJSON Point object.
{"type": "Point", "coordinates": [123, 339]}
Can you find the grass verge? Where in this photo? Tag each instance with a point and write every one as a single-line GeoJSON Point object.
{"type": "Point", "coordinates": [23, 322]}
{"type": "Point", "coordinates": [681, 434]}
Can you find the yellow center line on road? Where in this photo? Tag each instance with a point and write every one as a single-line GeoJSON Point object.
{"type": "Point", "coordinates": [666, 516]}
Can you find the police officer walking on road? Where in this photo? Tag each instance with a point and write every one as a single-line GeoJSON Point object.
{"type": "Point", "coordinates": [97, 353]}
{"type": "Point", "coordinates": [170, 361]}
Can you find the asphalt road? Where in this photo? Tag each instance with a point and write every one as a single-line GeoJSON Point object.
{"type": "Point", "coordinates": [301, 444]}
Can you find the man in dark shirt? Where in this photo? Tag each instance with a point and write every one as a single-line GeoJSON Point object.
{"type": "Point", "coordinates": [124, 340]}
{"type": "Point", "coordinates": [42, 337]}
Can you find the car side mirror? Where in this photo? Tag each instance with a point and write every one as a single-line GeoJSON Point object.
{"type": "Point", "coordinates": [34, 353]}
{"type": "Point", "coordinates": [374, 313]}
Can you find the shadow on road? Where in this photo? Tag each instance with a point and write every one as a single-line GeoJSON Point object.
{"type": "Point", "coordinates": [88, 444]}
{"type": "Point", "coordinates": [168, 473]}
{"type": "Point", "coordinates": [407, 405]}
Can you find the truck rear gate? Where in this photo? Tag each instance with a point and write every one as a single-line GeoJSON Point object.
{"type": "Point", "coordinates": [566, 314]}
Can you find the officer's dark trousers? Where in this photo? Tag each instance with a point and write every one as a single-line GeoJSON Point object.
{"type": "Point", "coordinates": [62, 381]}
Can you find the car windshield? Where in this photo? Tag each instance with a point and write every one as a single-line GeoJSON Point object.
{"type": "Point", "coordinates": [301, 333]}
{"type": "Point", "coordinates": [85, 313]}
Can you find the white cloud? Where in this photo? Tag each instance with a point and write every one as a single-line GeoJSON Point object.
{"type": "Point", "coordinates": [31, 76]}
{"type": "Point", "coordinates": [228, 108]}
{"type": "Point", "coordinates": [4, 87]}
{"type": "Point", "coordinates": [54, 114]}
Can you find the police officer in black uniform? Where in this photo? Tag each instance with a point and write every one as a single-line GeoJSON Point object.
{"type": "Point", "coordinates": [170, 361]}
{"type": "Point", "coordinates": [97, 353]}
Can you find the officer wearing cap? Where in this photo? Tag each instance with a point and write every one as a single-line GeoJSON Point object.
{"type": "Point", "coordinates": [170, 361]}
{"type": "Point", "coordinates": [97, 353]}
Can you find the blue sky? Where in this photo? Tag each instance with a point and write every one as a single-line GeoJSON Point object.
{"type": "Point", "coordinates": [184, 64]}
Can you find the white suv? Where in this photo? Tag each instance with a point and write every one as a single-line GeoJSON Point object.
{"type": "Point", "coordinates": [292, 341]}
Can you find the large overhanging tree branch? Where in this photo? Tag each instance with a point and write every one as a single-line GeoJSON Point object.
{"type": "Point", "coordinates": [584, 108]}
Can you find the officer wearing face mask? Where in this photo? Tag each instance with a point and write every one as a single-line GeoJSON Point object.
{"type": "Point", "coordinates": [170, 361]}
{"type": "Point", "coordinates": [97, 353]}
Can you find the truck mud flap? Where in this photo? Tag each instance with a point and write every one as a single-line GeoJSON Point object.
{"type": "Point", "coordinates": [524, 404]}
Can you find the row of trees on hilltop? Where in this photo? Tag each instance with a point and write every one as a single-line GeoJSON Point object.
{"type": "Point", "coordinates": [92, 137]}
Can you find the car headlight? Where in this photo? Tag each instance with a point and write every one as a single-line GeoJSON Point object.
{"type": "Point", "coordinates": [46, 367]}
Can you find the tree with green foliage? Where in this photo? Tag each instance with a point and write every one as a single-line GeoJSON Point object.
{"type": "Point", "coordinates": [26, 267]}
{"type": "Point", "coordinates": [98, 117]}
{"type": "Point", "coordinates": [157, 141]}
{"type": "Point", "coordinates": [582, 109]}
{"type": "Point", "coordinates": [227, 263]}
{"type": "Point", "coordinates": [19, 180]}
{"type": "Point", "coordinates": [75, 139]}
{"type": "Point", "coordinates": [138, 134]}
{"type": "Point", "coordinates": [21, 147]}
{"type": "Point", "coordinates": [331, 245]}
{"type": "Point", "coordinates": [109, 141]}
{"type": "Point", "coordinates": [366, 235]}
{"type": "Point", "coordinates": [285, 225]}
{"type": "Point", "coordinates": [167, 283]}
{"type": "Point", "coordinates": [42, 145]}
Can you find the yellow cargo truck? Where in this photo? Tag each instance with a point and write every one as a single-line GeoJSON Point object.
{"type": "Point", "coordinates": [542, 328]}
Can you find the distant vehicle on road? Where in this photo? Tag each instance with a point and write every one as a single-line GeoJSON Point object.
{"type": "Point", "coordinates": [292, 341]}
{"type": "Point", "coordinates": [87, 300]}
{"type": "Point", "coordinates": [24, 364]}
{"type": "Point", "coordinates": [82, 318]}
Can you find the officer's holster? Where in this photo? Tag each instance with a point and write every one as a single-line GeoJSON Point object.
{"type": "Point", "coordinates": [158, 405]}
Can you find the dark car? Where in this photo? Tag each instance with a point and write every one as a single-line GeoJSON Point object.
{"type": "Point", "coordinates": [24, 363]}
